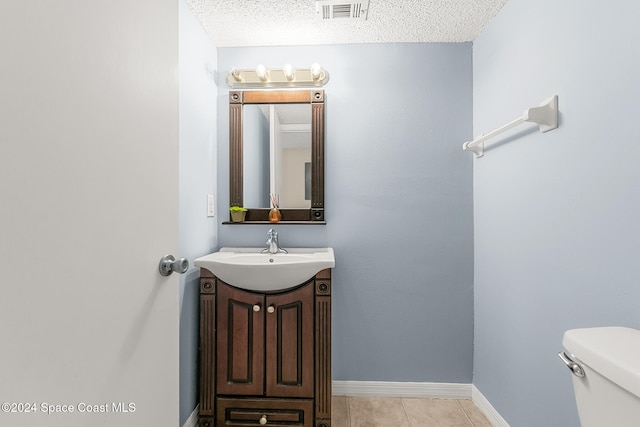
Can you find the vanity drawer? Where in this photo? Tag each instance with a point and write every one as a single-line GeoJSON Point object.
{"type": "Point", "coordinates": [269, 412]}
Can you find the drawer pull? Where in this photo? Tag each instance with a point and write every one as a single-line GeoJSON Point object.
{"type": "Point", "coordinates": [271, 309]}
{"type": "Point", "coordinates": [256, 308]}
{"type": "Point", "coordinates": [263, 420]}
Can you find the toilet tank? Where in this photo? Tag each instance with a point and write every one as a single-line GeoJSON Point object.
{"type": "Point", "coordinates": [609, 392]}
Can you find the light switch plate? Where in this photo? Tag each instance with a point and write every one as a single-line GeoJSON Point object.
{"type": "Point", "coordinates": [210, 205]}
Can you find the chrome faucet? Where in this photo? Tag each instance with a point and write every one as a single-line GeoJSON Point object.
{"type": "Point", "coordinates": [272, 243]}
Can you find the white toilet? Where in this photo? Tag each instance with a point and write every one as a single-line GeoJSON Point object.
{"type": "Point", "coordinates": [606, 381]}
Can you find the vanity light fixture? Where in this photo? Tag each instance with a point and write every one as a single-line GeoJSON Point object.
{"type": "Point", "coordinates": [287, 76]}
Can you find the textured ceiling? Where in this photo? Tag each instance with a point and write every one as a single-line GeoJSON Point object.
{"type": "Point", "coordinates": [295, 22]}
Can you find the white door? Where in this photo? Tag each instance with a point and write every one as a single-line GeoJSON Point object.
{"type": "Point", "coordinates": [88, 206]}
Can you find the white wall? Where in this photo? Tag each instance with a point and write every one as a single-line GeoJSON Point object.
{"type": "Point", "coordinates": [293, 177]}
{"type": "Point", "coordinates": [198, 178]}
{"type": "Point", "coordinates": [557, 236]}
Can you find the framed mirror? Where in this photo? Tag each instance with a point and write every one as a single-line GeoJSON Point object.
{"type": "Point", "coordinates": [276, 146]}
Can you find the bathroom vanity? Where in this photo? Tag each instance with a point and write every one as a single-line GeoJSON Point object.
{"type": "Point", "coordinates": [265, 355]}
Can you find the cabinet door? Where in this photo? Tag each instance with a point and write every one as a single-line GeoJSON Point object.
{"type": "Point", "coordinates": [240, 342]}
{"type": "Point", "coordinates": [290, 343]}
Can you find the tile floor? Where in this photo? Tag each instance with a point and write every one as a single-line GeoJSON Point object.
{"type": "Point", "coordinates": [350, 411]}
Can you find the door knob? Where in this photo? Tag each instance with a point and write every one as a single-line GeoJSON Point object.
{"type": "Point", "coordinates": [263, 420]}
{"type": "Point", "coordinates": [169, 264]}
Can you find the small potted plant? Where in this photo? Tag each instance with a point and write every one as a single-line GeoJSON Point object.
{"type": "Point", "coordinates": [237, 213]}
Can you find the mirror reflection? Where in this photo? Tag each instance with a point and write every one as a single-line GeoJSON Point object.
{"type": "Point", "coordinates": [277, 155]}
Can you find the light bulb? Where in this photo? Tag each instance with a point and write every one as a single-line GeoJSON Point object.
{"type": "Point", "coordinates": [316, 70]}
{"type": "Point", "coordinates": [288, 71]}
{"type": "Point", "coordinates": [262, 73]}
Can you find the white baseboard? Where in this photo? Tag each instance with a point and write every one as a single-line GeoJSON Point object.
{"type": "Point", "coordinates": [487, 409]}
{"type": "Point", "coordinates": [401, 389]}
{"type": "Point", "coordinates": [192, 421]}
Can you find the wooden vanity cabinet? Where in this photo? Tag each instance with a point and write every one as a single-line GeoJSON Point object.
{"type": "Point", "coordinates": [265, 358]}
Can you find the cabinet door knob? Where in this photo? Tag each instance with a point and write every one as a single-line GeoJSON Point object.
{"type": "Point", "coordinates": [263, 420]}
{"type": "Point", "coordinates": [271, 309]}
{"type": "Point", "coordinates": [256, 308]}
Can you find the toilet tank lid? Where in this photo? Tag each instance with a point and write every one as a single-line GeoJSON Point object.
{"type": "Point", "coordinates": [612, 351]}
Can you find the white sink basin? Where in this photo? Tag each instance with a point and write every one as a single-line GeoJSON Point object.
{"type": "Point", "coordinates": [250, 269]}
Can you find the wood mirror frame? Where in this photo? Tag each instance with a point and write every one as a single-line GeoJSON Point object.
{"type": "Point", "coordinates": [237, 99]}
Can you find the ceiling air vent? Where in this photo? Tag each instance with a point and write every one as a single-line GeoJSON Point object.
{"type": "Point", "coordinates": [341, 9]}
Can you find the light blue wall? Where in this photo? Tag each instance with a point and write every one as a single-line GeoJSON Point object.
{"type": "Point", "coordinates": [557, 236]}
{"type": "Point", "coordinates": [255, 157]}
{"type": "Point", "coordinates": [398, 204]}
{"type": "Point", "coordinates": [198, 233]}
